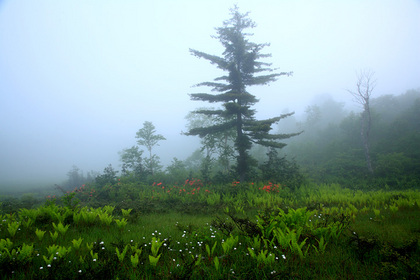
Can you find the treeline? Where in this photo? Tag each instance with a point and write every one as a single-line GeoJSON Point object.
{"type": "Point", "coordinates": [330, 149]}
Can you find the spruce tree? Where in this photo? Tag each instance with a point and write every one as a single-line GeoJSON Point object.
{"type": "Point", "coordinates": [243, 69]}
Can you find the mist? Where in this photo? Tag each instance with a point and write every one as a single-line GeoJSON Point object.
{"type": "Point", "coordinates": [78, 79]}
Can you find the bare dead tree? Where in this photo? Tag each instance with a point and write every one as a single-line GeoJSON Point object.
{"type": "Point", "coordinates": [365, 85]}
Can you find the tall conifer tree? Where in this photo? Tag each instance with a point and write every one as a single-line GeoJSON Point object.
{"type": "Point", "coordinates": [240, 61]}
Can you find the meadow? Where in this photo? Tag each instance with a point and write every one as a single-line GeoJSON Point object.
{"type": "Point", "coordinates": [229, 231]}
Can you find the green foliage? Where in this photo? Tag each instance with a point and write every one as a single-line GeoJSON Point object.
{"type": "Point", "coordinates": [108, 177]}
{"type": "Point", "coordinates": [77, 243]}
{"type": "Point", "coordinates": [330, 151]}
{"type": "Point", "coordinates": [70, 201]}
{"type": "Point", "coordinates": [279, 169]}
{"type": "Point", "coordinates": [61, 228]}
{"type": "Point", "coordinates": [121, 255]}
{"type": "Point", "coordinates": [12, 228]}
{"type": "Point", "coordinates": [298, 232]}
{"type": "Point", "coordinates": [132, 161]}
{"type": "Point", "coordinates": [177, 171]}
{"type": "Point", "coordinates": [241, 62]}
{"type": "Point", "coordinates": [40, 234]}
{"type": "Point", "coordinates": [121, 223]}
{"type": "Point", "coordinates": [147, 137]}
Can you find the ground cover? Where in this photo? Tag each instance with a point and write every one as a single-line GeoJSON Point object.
{"type": "Point", "coordinates": [235, 231]}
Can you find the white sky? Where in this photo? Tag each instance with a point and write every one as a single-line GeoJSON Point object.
{"type": "Point", "coordinates": [79, 78]}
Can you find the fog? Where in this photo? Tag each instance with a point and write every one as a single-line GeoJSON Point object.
{"type": "Point", "coordinates": [79, 78]}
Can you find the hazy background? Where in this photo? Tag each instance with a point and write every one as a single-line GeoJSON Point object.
{"type": "Point", "coordinates": [79, 78]}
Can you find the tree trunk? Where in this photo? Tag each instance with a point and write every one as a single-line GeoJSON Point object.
{"type": "Point", "coordinates": [241, 148]}
{"type": "Point", "coordinates": [364, 133]}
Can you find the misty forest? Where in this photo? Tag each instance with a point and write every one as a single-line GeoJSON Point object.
{"type": "Point", "coordinates": [331, 193]}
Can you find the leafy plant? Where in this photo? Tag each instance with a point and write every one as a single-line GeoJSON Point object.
{"type": "Point", "coordinates": [121, 255]}
{"type": "Point", "coordinates": [12, 228]}
{"type": "Point", "coordinates": [6, 244]}
{"type": "Point", "coordinates": [154, 258]}
{"type": "Point", "coordinates": [61, 228]}
{"type": "Point", "coordinates": [125, 212]}
{"type": "Point", "coordinates": [229, 244]}
{"type": "Point", "coordinates": [209, 251]}
{"type": "Point", "coordinates": [77, 243]}
{"type": "Point", "coordinates": [105, 218]}
{"type": "Point", "coordinates": [134, 260]}
{"type": "Point", "coordinates": [40, 234]}
{"type": "Point", "coordinates": [321, 246]}
{"type": "Point", "coordinates": [25, 253]}
{"type": "Point", "coordinates": [121, 223]}
{"type": "Point", "coordinates": [54, 235]}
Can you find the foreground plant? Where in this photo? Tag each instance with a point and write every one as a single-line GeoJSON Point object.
{"type": "Point", "coordinates": [40, 234]}
{"type": "Point", "coordinates": [121, 223]}
{"type": "Point", "coordinates": [121, 255]}
{"type": "Point", "coordinates": [12, 228]}
{"type": "Point", "coordinates": [61, 228]}
{"type": "Point", "coordinates": [154, 258]}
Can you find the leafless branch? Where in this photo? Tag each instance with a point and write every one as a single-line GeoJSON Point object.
{"type": "Point", "coordinates": [365, 85]}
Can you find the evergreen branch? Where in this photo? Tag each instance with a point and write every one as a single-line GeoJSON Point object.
{"type": "Point", "coordinates": [270, 144]}
{"type": "Point", "coordinates": [219, 61]}
{"type": "Point", "coordinates": [203, 131]}
{"type": "Point", "coordinates": [216, 86]}
{"type": "Point", "coordinates": [265, 79]}
{"type": "Point", "coordinates": [209, 112]}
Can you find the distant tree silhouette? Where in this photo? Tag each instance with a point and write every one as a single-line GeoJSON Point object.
{"type": "Point", "coordinates": [147, 137]}
{"type": "Point", "coordinates": [365, 85]}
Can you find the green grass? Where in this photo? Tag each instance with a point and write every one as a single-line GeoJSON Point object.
{"type": "Point", "coordinates": [366, 246]}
